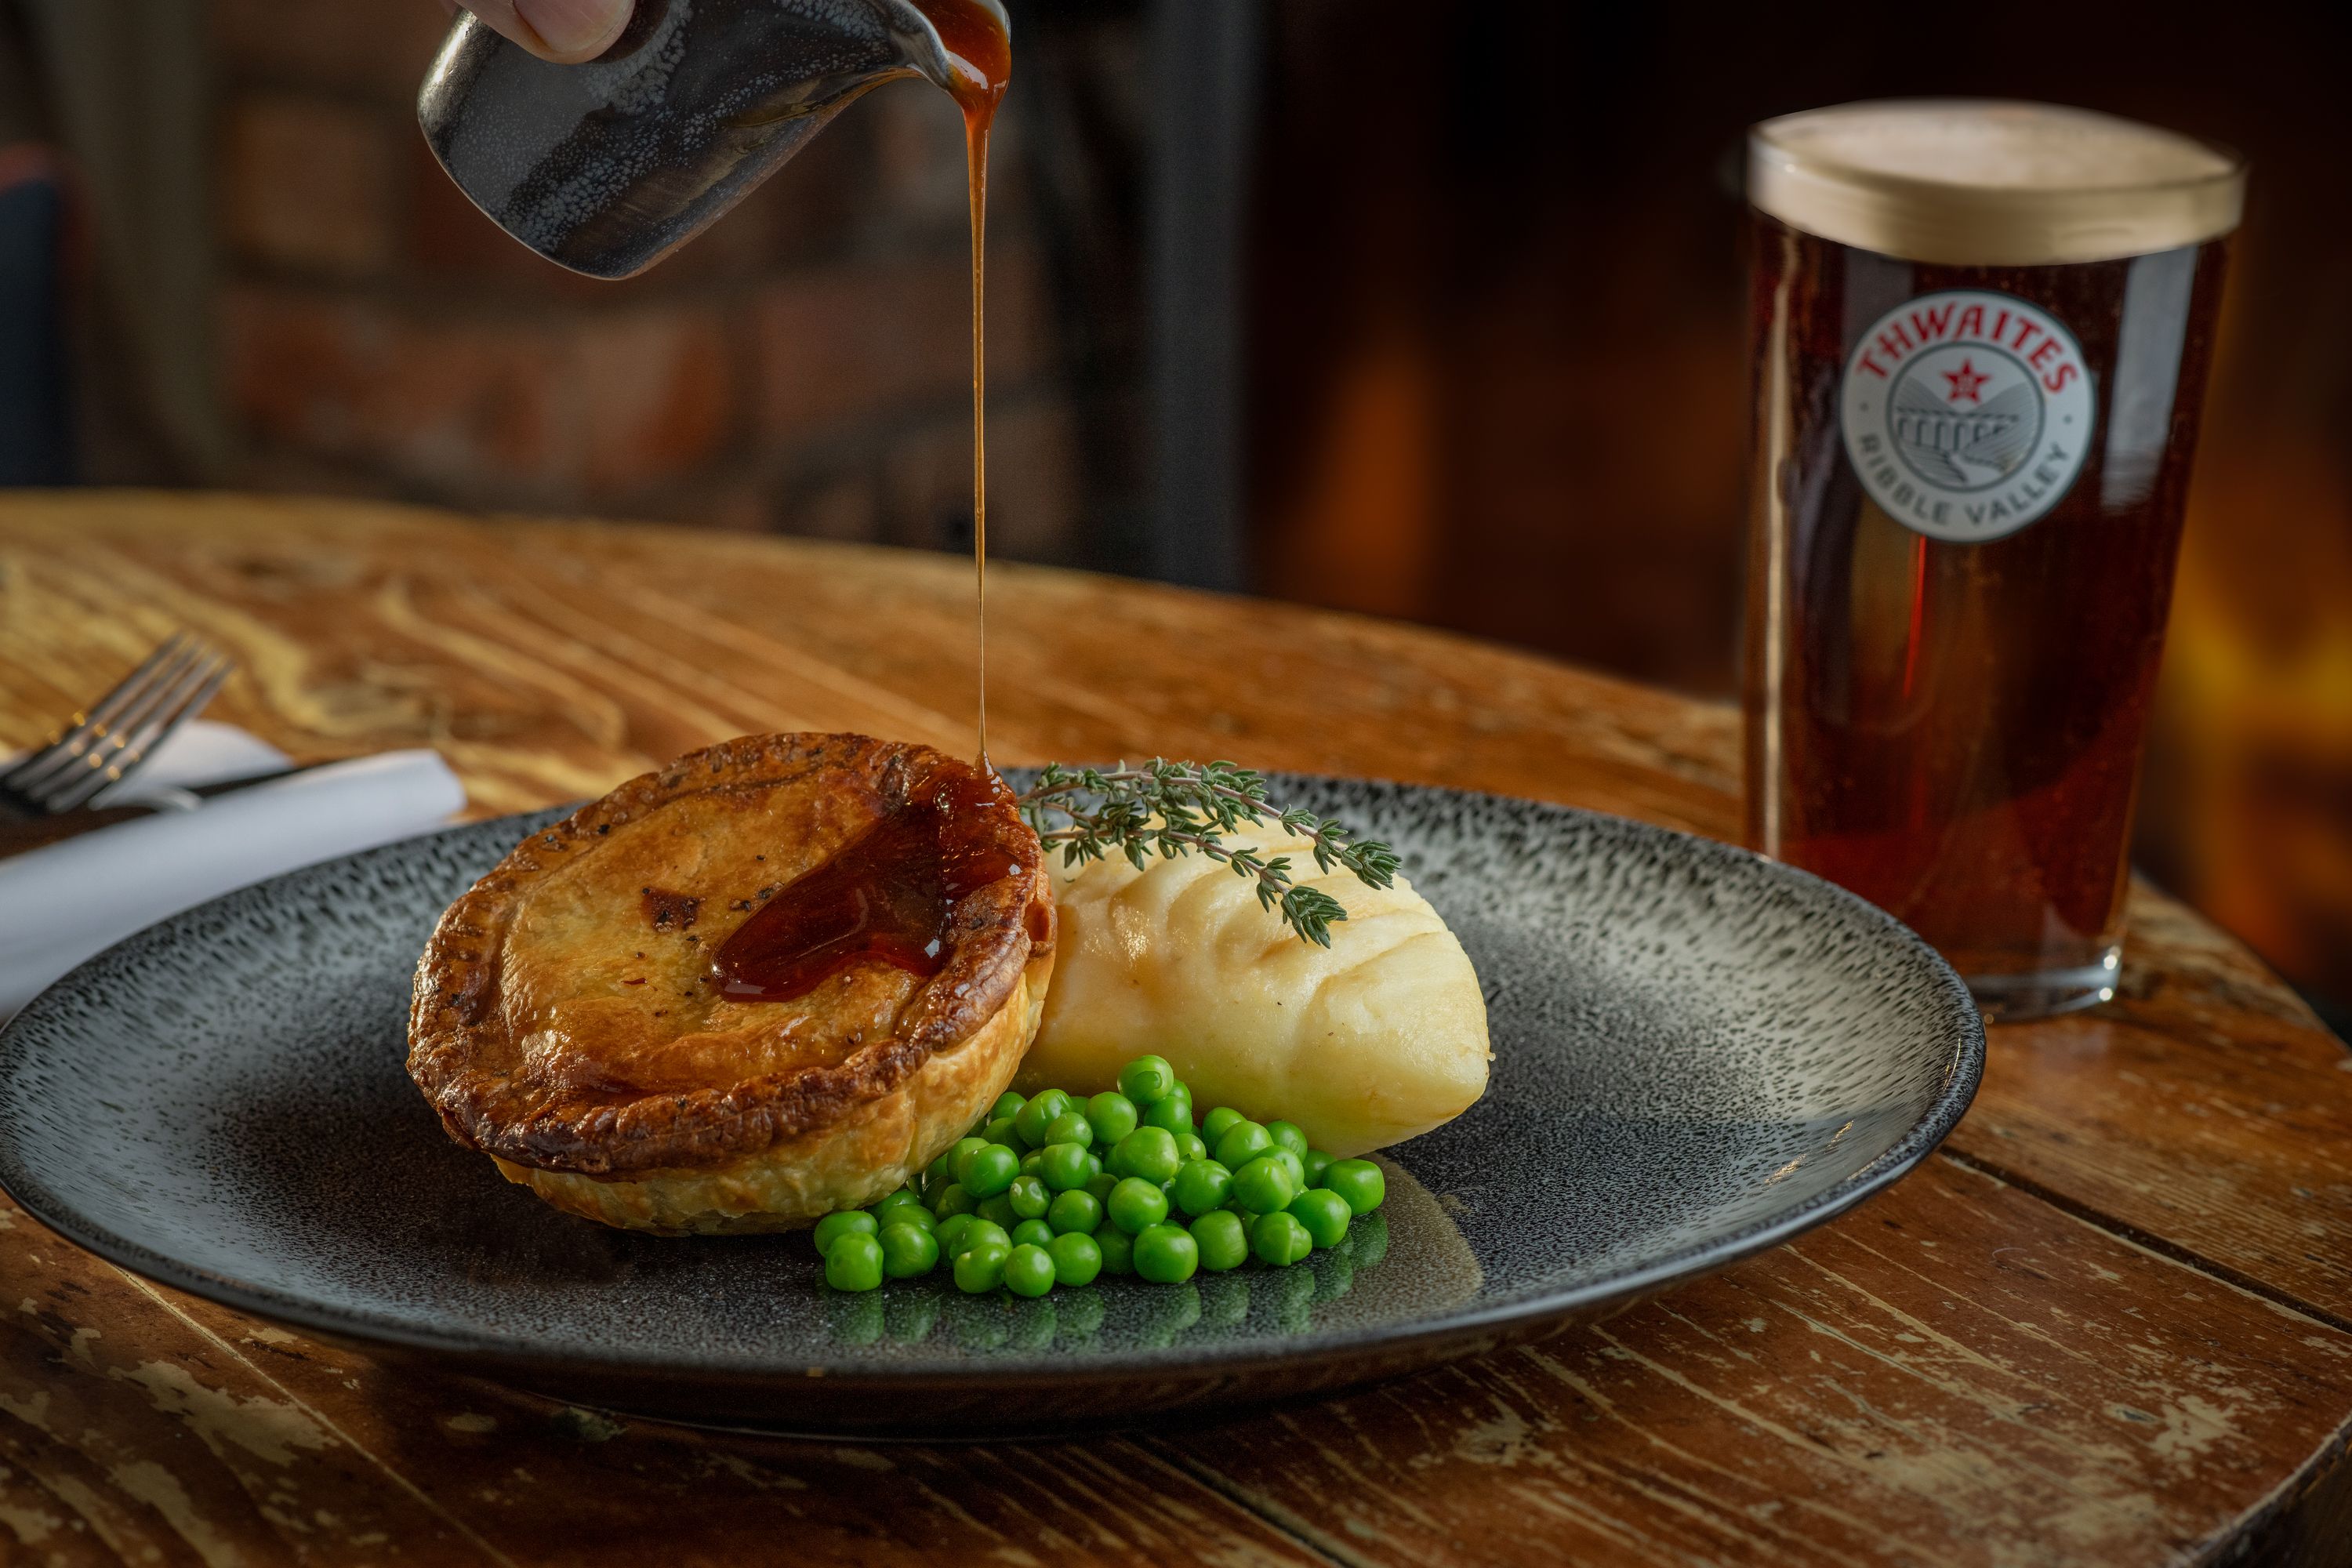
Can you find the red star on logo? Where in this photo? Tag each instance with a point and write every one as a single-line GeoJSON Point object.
{"type": "Point", "coordinates": [1964, 382]}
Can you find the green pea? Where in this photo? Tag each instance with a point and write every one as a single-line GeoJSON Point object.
{"type": "Point", "coordinates": [1221, 1239]}
{"type": "Point", "coordinates": [891, 1200]}
{"type": "Point", "coordinates": [1100, 1185]}
{"type": "Point", "coordinates": [1070, 1127]}
{"type": "Point", "coordinates": [1032, 1233]}
{"type": "Point", "coordinates": [1279, 1239]}
{"type": "Point", "coordinates": [1146, 1079]}
{"type": "Point", "coordinates": [1292, 1164]}
{"type": "Point", "coordinates": [1004, 1129]}
{"type": "Point", "coordinates": [1093, 1164]}
{"type": "Point", "coordinates": [991, 1170]}
{"type": "Point", "coordinates": [1007, 1104]}
{"type": "Point", "coordinates": [956, 1200]}
{"type": "Point", "coordinates": [960, 1151]}
{"type": "Point", "coordinates": [1118, 1250]}
{"type": "Point", "coordinates": [1190, 1147]}
{"type": "Point", "coordinates": [936, 1180]}
{"type": "Point", "coordinates": [1219, 1123]}
{"type": "Point", "coordinates": [853, 1262]}
{"type": "Point", "coordinates": [1149, 1152]}
{"type": "Point", "coordinates": [1028, 1196]}
{"type": "Point", "coordinates": [1202, 1185]}
{"type": "Point", "coordinates": [1166, 1255]}
{"type": "Point", "coordinates": [981, 1270]}
{"type": "Point", "coordinates": [1112, 1116]}
{"type": "Point", "coordinates": [982, 1232]}
{"type": "Point", "coordinates": [1136, 1205]}
{"type": "Point", "coordinates": [903, 1209]}
{"type": "Point", "coordinates": [909, 1251]}
{"type": "Point", "coordinates": [999, 1210]}
{"type": "Point", "coordinates": [1358, 1181]}
{"type": "Point", "coordinates": [1076, 1258]}
{"type": "Point", "coordinates": [1264, 1185]}
{"type": "Point", "coordinates": [1315, 1162]}
{"type": "Point", "coordinates": [1325, 1213]}
{"type": "Point", "coordinates": [1242, 1142]}
{"type": "Point", "coordinates": [1033, 1162]}
{"type": "Point", "coordinates": [1173, 1112]}
{"type": "Point", "coordinates": [1063, 1168]}
{"type": "Point", "coordinates": [1080, 1212]}
{"type": "Point", "coordinates": [1028, 1270]}
{"type": "Point", "coordinates": [1288, 1135]}
{"type": "Point", "coordinates": [951, 1233]}
{"type": "Point", "coordinates": [841, 1223]}
{"type": "Point", "coordinates": [1039, 1114]}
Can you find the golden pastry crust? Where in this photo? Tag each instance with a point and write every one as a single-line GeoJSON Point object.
{"type": "Point", "coordinates": [566, 1024]}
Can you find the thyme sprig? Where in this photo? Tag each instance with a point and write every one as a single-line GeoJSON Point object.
{"type": "Point", "coordinates": [1171, 809]}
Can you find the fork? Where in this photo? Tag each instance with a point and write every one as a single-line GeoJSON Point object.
{"type": "Point", "coordinates": [111, 740]}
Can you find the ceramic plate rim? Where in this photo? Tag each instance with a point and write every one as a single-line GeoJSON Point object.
{"type": "Point", "coordinates": [1962, 1074]}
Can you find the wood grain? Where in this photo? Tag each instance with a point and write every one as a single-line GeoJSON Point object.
{"type": "Point", "coordinates": [2114, 1326]}
{"type": "Point", "coordinates": [1956, 1372]}
{"type": "Point", "coordinates": [144, 1426]}
{"type": "Point", "coordinates": [2205, 1111]}
{"type": "Point", "coordinates": [549, 660]}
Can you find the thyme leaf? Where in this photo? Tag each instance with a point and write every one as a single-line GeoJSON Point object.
{"type": "Point", "coordinates": [1171, 809]}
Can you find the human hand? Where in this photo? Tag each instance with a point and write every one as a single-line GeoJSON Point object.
{"type": "Point", "coordinates": [564, 31]}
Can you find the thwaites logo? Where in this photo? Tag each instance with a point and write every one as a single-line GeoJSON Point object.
{"type": "Point", "coordinates": [1966, 414]}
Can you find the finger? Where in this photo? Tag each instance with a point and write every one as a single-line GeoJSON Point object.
{"type": "Point", "coordinates": [566, 31]}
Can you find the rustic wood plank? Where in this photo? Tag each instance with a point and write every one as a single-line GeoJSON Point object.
{"type": "Point", "coordinates": [551, 660]}
{"type": "Point", "coordinates": [2205, 1111]}
{"type": "Point", "coordinates": [1956, 1373]}
{"type": "Point", "coordinates": [140, 1425]}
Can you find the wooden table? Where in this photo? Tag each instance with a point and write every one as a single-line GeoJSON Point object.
{"type": "Point", "coordinates": [2111, 1323]}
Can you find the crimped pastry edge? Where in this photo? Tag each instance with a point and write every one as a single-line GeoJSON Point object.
{"type": "Point", "coordinates": [453, 1015]}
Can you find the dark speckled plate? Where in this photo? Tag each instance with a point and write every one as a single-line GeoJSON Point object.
{"type": "Point", "coordinates": [1697, 1055]}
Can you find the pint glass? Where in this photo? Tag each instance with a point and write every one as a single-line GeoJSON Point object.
{"type": "Point", "coordinates": [1981, 335]}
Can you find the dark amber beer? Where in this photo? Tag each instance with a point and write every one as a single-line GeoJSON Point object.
{"type": "Point", "coordinates": [1981, 337]}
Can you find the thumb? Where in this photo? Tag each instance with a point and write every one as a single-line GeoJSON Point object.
{"type": "Point", "coordinates": [566, 31]}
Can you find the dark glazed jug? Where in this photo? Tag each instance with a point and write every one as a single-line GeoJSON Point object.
{"type": "Point", "coordinates": [605, 168]}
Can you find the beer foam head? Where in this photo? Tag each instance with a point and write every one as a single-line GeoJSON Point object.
{"type": "Point", "coordinates": [1979, 182]}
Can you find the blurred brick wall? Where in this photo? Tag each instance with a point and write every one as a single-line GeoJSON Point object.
{"type": "Point", "coordinates": [804, 367]}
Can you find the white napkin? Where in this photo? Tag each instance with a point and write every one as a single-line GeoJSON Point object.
{"type": "Point", "coordinates": [64, 902]}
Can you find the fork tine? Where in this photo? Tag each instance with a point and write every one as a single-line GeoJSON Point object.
{"type": "Point", "coordinates": [91, 726]}
{"type": "Point", "coordinates": [111, 739]}
{"type": "Point", "coordinates": [128, 747]}
{"type": "Point", "coordinates": [111, 704]}
{"type": "Point", "coordinates": [83, 722]}
{"type": "Point", "coordinates": [164, 726]}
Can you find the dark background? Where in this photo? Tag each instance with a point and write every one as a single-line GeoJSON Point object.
{"type": "Point", "coordinates": [1421, 309]}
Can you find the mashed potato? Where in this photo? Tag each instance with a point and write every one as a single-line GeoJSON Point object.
{"type": "Point", "coordinates": [1366, 1043]}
